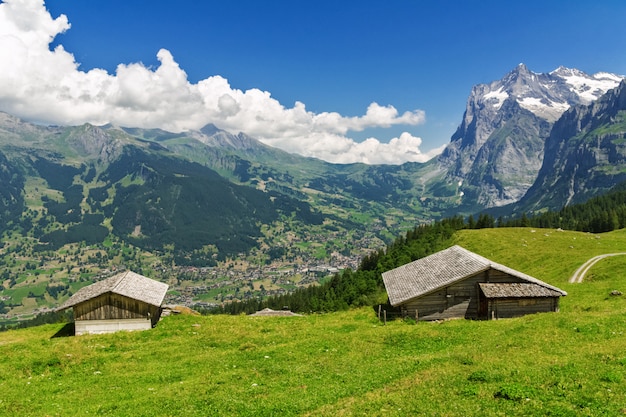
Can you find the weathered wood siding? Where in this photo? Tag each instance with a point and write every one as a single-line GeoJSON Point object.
{"type": "Point", "coordinates": [113, 306]}
{"type": "Point", "coordinates": [498, 308]}
{"type": "Point", "coordinates": [462, 300]}
{"type": "Point", "coordinates": [457, 300]}
{"type": "Point", "coordinates": [110, 326]}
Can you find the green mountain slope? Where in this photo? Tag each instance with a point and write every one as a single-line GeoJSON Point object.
{"type": "Point", "coordinates": [174, 202]}
{"type": "Point", "coordinates": [566, 363]}
{"type": "Point", "coordinates": [140, 190]}
{"type": "Point", "coordinates": [148, 187]}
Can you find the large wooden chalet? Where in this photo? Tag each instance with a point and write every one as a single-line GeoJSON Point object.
{"type": "Point", "coordinates": [457, 283]}
{"type": "Point", "coordinates": [126, 301]}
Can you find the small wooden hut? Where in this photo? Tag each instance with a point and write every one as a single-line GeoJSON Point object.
{"type": "Point", "coordinates": [457, 283]}
{"type": "Point", "coordinates": [126, 301]}
{"type": "Point", "coordinates": [268, 312]}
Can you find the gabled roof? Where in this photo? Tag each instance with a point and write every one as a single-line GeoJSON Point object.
{"type": "Point", "coordinates": [127, 284]}
{"type": "Point", "coordinates": [441, 269]}
{"type": "Point", "coordinates": [270, 312]}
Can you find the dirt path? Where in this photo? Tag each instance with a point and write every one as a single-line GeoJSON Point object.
{"type": "Point", "coordinates": [580, 272]}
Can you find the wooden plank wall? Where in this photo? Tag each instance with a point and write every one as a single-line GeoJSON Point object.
{"type": "Point", "coordinates": [457, 300]}
{"type": "Point", "coordinates": [113, 306]}
{"type": "Point", "coordinates": [461, 300]}
{"type": "Point", "coordinates": [517, 307]}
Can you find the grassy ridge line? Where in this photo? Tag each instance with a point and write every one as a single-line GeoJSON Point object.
{"type": "Point", "coordinates": [571, 363]}
{"type": "Point", "coordinates": [548, 254]}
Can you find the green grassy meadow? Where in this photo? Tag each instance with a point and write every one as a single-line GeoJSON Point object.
{"type": "Point", "coordinates": [571, 363]}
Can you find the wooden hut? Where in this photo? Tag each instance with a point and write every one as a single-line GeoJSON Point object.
{"type": "Point", "coordinates": [268, 312]}
{"type": "Point", "coordinates": [457, 283]}
{"type": "Point", "coordinates": [126, 301]}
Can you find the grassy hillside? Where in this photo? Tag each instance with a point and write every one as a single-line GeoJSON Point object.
{"type": "Point", "coordinates": [551, 255]}
{"type": "Point", "coordinates": [571, 363]}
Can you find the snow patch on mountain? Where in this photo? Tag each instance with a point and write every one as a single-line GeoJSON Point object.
{"type": "Point", "coordinates": [547, 95]}
{"type": "Point", "coordinates": [496, 98]}
{"type": "Point", "coordinates": [546, 109]}
{"type": "Point", "coordinates": [589, 88]}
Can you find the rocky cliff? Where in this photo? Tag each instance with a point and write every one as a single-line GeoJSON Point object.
{"type": "Point", "coordinates": [498, 149]}
{"type": "Point", "coordinates": [585, 154]}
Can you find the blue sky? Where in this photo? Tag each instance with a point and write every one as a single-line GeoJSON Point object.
{"type": "Point", "coordinates": [336, 58]}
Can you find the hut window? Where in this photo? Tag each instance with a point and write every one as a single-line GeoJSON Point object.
{"type": "Point", "coordinates": [527, 302]}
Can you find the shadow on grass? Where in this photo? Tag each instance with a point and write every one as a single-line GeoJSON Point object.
{"type": "Point", "coordinates": [387, 311]}
{"type": "Point", "coordinates": [65, 331]}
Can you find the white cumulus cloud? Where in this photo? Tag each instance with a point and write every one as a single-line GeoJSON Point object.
{"type": "Point", "coordinates": [47, 86]}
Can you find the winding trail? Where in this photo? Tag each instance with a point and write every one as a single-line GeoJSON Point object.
{"type": "Point", "coordinates": [580, 272]}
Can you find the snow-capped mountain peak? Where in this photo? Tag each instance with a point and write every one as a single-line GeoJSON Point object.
{"type": "Point", "coordinates": [498, 148]}
{"type": "Point", "coordinates": [547, 95]}
{"type": "Point", "coordinates": [588, 87]}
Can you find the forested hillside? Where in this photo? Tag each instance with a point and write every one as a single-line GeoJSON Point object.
{"type": "Point", "coordinates": [599, 214]}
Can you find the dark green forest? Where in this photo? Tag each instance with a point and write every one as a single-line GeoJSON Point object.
{"type": "Point", "coordinates": [597, 215]}
{"type": "Point", "coordinates": [152, 201]}
{"type": "Point", "coordinates": [11, 198]}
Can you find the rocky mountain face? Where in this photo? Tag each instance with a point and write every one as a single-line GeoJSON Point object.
{"type": "Point", "coordinates": [497, 151]}
{"type": "Point", "coordinates": [585, 154]}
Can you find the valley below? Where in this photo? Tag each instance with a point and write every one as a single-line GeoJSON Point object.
{"type": "Point", "coordinates": [35, 282]}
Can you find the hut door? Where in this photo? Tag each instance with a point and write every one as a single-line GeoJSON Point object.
{"type": "Point", "coordinates": [483, 305]}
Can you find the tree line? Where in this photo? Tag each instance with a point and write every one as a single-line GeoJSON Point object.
{"type": "Point", "coordinates": [597, 215]}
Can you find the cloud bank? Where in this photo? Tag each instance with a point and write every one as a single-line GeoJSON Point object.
{"type": "Point", "coordinates": [47, 86]}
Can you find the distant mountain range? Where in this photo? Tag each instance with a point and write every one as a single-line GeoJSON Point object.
{"type": "Point", "coordinates": [526, 142]}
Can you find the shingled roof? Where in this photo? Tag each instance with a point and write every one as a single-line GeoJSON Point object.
{"type": "Point", "coordinates": [127, 284]}
{"type": "Point", "coordinates": [516, 290]}
{"type": "Point", "coordinates": [444, 268]}
{"type": "Point", "coordinates": [270, 312]}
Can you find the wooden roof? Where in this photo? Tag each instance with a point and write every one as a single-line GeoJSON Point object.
{"type": "Point", "coordinates": [441, 269]}
{"type": "Point", "coordinates": [516, 290]}
{"type": "Point", "coordinates": [127, 284]}
{"type": "Point", "coordinates": [270, 312]}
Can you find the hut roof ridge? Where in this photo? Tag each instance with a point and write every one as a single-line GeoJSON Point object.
{"type": "Point", "coordinates": [128, 284]}
{"type": "Point", "coordinates": [441, 269]}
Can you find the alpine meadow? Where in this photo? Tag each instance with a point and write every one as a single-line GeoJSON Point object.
{"type": "Point", "coordinates": [372, 210]}
{"type": "Point", "coordinates": [570, 363]}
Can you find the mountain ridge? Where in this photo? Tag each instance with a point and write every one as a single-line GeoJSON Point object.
{"type": "Point", "coordinates": [492, 159]}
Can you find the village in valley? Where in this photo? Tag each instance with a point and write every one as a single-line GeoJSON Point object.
{"type": "Point", "coordinates": [206, 287]}
{"type": "Point", "coordinates": [38, 282]}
